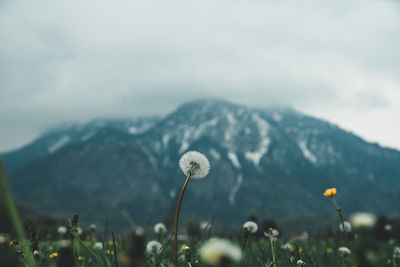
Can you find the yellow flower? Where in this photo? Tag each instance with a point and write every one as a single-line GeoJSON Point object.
{"type": "Point", "coordinates": [53, 255]}
{"type": "Point", "coordinates": [80, 258]}
{"type": "Point", "coordinates": [330, 192]}
{"type": "Point", "coordinates": [329, 250]}
{"type": "Point", "coordinates": [389, 261]}
{"type": "Point", "coordinates": [110, 252]}
{"type": "Point", "coordinates": [301, 250]}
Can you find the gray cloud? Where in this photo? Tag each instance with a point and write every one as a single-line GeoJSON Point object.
{"type": "Point", "coordinates": [75, 60]}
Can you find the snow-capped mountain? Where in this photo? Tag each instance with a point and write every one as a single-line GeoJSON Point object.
{"type": "Point", "coordinates": [269, 162]}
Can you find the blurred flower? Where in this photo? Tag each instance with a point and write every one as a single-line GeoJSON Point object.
{"type": "Point", "coordinates": [329, 250]}
{"type": "Point", "coordinates": [250, 226]}
{"type": "Point", "coordinates": [272, 233]}
{"type": "Point", "coordinates": [13, 243]}
{"type": "Point", "coordinates": [80, 231]}
{"type": "Point", "coordinates": [3, 238]}
{"type": "Point", "coordinates": [160, 228]}
{"type": "Point", "coordinates": [80, 258]}
{"type": "Point", "coordinates": [220, 252]}
{"type": "Point", "coordinates": [344, 251]}
{"type": "Point", "coordinates": [304, 236]}
{"type": "Point", "coordinates": [139, 230]}
{"type": "Point", "coordinates": [330, 192]}
{"type": "Point", "coordinates": [35, 253]}
{"type": "Point", "coordinates": [53, 255]}
{"type": "Point", "coordinates": [92, 228]}
{"type": "Point", "coordinates": [98, 245]}
{"type": "Point", "coordinates": [363, 220]}
{"type": "Point", "coordinates": [62, 230]}
{"type": "Point", "coordinates": [301, 263]}
{"type": "Point", "coordinates": [396, 253]}
{"type": "Point", "coordinates": [388, 227]}
{"type": "Point", "coordinates": [301, 250]}
{"type": "Point", "coordinates": [287, 246]}
{"type": "Point", "coordinates": [347, 227]}
{"type": "Point", "coordinates": [154, 247]}
{"type": "Point", "coordinates": [195, 164]}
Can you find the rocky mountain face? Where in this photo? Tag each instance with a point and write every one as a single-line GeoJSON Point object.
{"type": "Point", "coordinates": [267, 162]}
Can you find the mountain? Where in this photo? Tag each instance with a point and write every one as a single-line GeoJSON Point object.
{"type": "Point", "coordinates": [268, 162]}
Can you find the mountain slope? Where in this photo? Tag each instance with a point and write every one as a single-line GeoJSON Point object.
{"type": "Point", "coordinates": [266, 162]}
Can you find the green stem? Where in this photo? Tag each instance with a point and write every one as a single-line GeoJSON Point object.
{"type": "Point", "coordinates": [272, 249]}
{"type": "Point", "coordinates": [178, 208]}
{"type": "Point", "coordinates": [76, 236]}
{"type": "Point", "coordinates": [15, 218]}
{"type": "Point", "coordinates": [339, 210]}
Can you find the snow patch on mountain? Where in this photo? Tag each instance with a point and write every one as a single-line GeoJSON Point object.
{"type": "Point", "coordinates": [306, 152]}
{"type": "Point", "coordinates": [263, 127]}
{"type": "Point", "coordinates": [234, 159]}
{"type": "Point", "coordinates": [235, 189]}
{"type": "Point", "coordinates": [59, 144]}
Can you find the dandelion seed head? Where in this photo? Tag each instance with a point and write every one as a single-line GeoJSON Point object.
{"type": "Point", "coordinates": [287, 246]}
{"type": "Point", "coordinates": [62, 230]}
{"type": "Point", "coordinates": [347, 227]}
{"type": "Point", "coordinates": [396, 253]}
{"type": "Point", "coordinates": [218, 252]}
{"type": "Point", "coordinates": [195, 164]}
{"type": "Point", "coordinates": [92, 228]}
{"type": "Point", "coordinates": [160, 229]}
{"type": "Point", "coordinates": [98, 245]}
{"type": "Point", "coordinates": [272, 233]}
{"type": "Point", "coordinates": [153, 247]}
{"type": "Point", "coordinates": [388, 227]}
{"type": "Point", "coordinates": [301, 263]}
{"type": "Point", "coordinates": [250, 226]}
{"type": "Point", "coordinates": [344, 251]}
{"type": "Point", "coordinates": [363, 220]}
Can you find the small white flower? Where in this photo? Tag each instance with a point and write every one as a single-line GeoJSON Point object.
{"type": "Point", "coordinates": [363, 220]}
{"type": "Point", "coordinates": [272, 233]}
{"type": "Point", "coordinates": [396, 253]}
{"type": "Point", "coordinates": [153, 247]}
{"type": "Point", "coordinates": [36, 253]}
{"type": "Point", "coordinates": [388, 227]}
{"type": "Point", "coordinates": [250, 226]}
{"type": "Point", "coordinates": [92, 228]}
{"type": "Point", "coordinates": [139, 230]}
{"type": "Point", "coordinates": [301, 263]}
{"type": "Point", "coordinates": [160, 229]}
{"type": "Point", "coordinates": [287, 246]}
{"type": "Point", "coordinates": [344, 251]}
{"type": "Point", "coordinates": [98, 245]}
{"type": "Point", "coordinates": [3, 238]}
{"type": "Point", "coordinates": [80, 231]}
{"type": "Point", "coordinates": [195, 164]}
{"type": "Point", "coordinates": [304, 236]}
{"type": "Point", "coordinates": [218, 251]}
{"type": "Point", "coordinates": [62, 230]}
{"type": "Point", "coordinates": [347, 227]}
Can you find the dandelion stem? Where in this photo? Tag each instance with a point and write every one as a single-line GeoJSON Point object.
{"type": "Point", "coordinates": [339, 210]}
{"type": "Point", "coordinates": [178, 208]}
{"type": "Point", "coordinates": [272, 248]}
{"type": "Point", "coordinates": [76, 236]}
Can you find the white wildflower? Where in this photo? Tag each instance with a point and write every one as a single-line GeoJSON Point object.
{"type": "Point", "coordinates": [396, 253]}
{"type": "Point", "coordinates": [92, 228]}
{"type": "Point", "coordinates": [363, 220]}
{"type": "Point", "coordinates": [195, 164]}
{"type": "Point", "coordinates": [62, 230]}
{"type": "Point", "coordinates": [153, 247]}
{"type": "Point", "coordinates": [80, 231]}
{"type": "Point", "coordinates": [35, 253]}
{"type": "Point", "coordinates": [347, 227]}
{"type": "Point", "coordinates": [98, 245]}
{"type": "Point", "coordinates": [388, 227]}
{"type": "Point", "coordinates": [287, 246]}
{"type": "Point", "coordinates": [344, 251]}
{"type": "Point", "coordinates": [301, 263]}
{"type": "Point", "coordinates": [160, 229]}
{"type": "Point", "coordinates": [272, 233]}
{"type": "Point", "coordinates": [3, 238]}
{"type": "Point", "coordinates": [250, 226]}
{"type": "Point", "coordinates": [217, 252]}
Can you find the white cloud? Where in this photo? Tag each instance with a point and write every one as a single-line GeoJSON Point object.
{"type": "Point", "coordinates": [75, 60]}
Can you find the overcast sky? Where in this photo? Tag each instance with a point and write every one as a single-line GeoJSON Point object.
{"type": "Point", "coordinates": [71, 61]}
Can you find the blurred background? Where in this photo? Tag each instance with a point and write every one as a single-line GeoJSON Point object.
{"type": "Point", "coordinates": [98, 101]}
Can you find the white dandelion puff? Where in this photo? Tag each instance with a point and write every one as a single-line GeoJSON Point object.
{"type": "Point", "coordinates": [160, 229]}
{"type": "Point", "coordinates": [396, 253]}
{"type": "Point", "coordinates": [98, 245]}
{"type": "Point", "coordinates": [363, 220]}
{"type": "Point", "coordinates": [250, 226]}
{"type": "Point", "coordinates": [301, 263]}
{"type": "Point", "coordinates": [347, 227]}
{"type": "Point", "coordinates": [272, 233]}
{"type": "Point", "coordinates": [217, 252]}
{"type": "Point", "coordinates": [92, 228]}
{"type": "Point", "coordinates": [344, 251]}
{"type": "Point", "coordinates": [153, 247]}
{"type": "Point", "coordinates": [195, 164]}
{"type": "Point", "coordinates": [388, 227]}
{"type": "Point", "coordinates": [62, 230]}
{"type": "Point", "coordinates": [287, 246]}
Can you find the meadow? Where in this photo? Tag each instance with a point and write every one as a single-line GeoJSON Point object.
{"type": "Point", "coordinates": [361, 240]}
